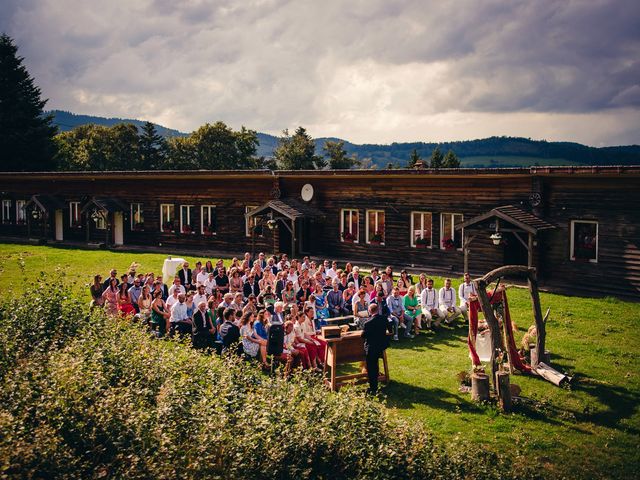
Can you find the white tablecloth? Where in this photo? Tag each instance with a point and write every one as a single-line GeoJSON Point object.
{"type": "Point", "coordinates": [170, 268]}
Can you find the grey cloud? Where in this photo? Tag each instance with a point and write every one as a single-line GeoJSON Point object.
{"type": "Point", "coordinates": [269, 64]}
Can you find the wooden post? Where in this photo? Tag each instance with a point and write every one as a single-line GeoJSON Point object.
{"type": "Point", "coordinates": [479, 387]}
{"type": "Point", "coordinates": [465, 249]}
{"type": "Point", "coordinates": [530, 251]}
{"type": "Point", "coordinates": [504, 391]}
{"type": "Point", "coordinates": [537, 315]}
{"type": "Point", "coordinates": [492, 322]}
{"type": "Point", "coordinates": [293, 238]}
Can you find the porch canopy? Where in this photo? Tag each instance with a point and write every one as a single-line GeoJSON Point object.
{"type": "Point", "coordinates": [288, 211]}
{"type": "Point", "coordinates": [508, 218]}
{"type": "Point", "coordinates": [45, 203]}
{"type": "Point", "coordinates": [107, 204]}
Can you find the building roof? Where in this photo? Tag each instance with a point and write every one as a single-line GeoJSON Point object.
{"type": "Point", "coordinates": [518, 217]}
{"type": "Point", "coordinates": [588, 170]}
{"type": "Point", "coordinates": [289, 207]}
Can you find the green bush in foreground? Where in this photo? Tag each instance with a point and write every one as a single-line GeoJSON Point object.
{"type": "Point", "coordinates": [97, 397]}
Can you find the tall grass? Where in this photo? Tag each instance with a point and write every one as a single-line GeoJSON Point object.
{"type": "Point", "coordinates": [87, 396]}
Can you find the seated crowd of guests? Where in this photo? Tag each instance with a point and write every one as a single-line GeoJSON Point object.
{"type": "Point", "coordinates": [235, 306]}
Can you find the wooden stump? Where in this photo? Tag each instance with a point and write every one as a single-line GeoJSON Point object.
{"type": "Point", "coordinates": [546, 358]}
{"type": "Point", "coordinates": [504, 391]}
{"type": "Point", "coordinates": [479, 387]}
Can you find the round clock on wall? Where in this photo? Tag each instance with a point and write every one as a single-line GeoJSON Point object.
{"type": "Point", "coordinates": [307, 192]}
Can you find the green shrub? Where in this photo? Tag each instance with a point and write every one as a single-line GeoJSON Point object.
{"type": "Point", "coordinates": [101, 398]}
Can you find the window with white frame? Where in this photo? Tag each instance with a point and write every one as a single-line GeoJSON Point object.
{"type": "Point", "coordinates": [74, 214]}
{"type": "Point", "coordinates": [249, 222]}
{"type": "Point", "coordinates": [101, 220]}
{"type": "Point", "coordinates": [421, 228]}
{"type": "Point", "coordinates": [6, 211]}
{"type": "Point", "coordinates": [137, 217]}
{"type": "Point", "coordinates": [375, 227]}
{"type": "Point", "coordinates": [167, 217]}
{"type": "Point", "coordinates": [584, 241]}
{"type": "Point", "coordinates": [21, 212]}
{"type": "Point", "coordinates": [349, 225]}
{"type": "Point", "coordinates": [208, 220]}
{"type": "Point", "coordinates": [450, 238]}
{"type": "Point", "coordinates": [186, 218]}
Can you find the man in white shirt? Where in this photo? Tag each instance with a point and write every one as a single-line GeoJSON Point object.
{"type": "Point", "coordinates": [292, 277]}
{"type": "Point", "coordinates": [172, 299]}
{"type": "Point", "coordinates": [201, 296]}
{"type": "Point", "coordinates": [466, 292]}
{"type": "Point", "coordinates": [202, 277]}
{"type": "Point", "coordinates": [210, 283]}
{"type": "Point", "coordinates": [332, 271]}
{"type": "Point", "coordinates": [447, 302]}
{"type": "Point", "coordinates": [177, 285]}
{"type": "Point", "coordinates": [429, 303]}
{"type": "Point", "coordinates": [278, 315]}
{"type": "Point", "coordinates": [179, 319]}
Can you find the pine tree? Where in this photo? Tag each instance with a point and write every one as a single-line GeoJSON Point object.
{"type": "Point", "coordinates": [26, 133]}
{"type": "Point", "coordinates": [436, 158]}
{"type": "Point", "coordinates": [451, 160]}
{"type": "Point", "coordinates": [338, 159]}
{"type": "Point", "coordinates": [414, 159]}
{"type": "Point", "coordinates": [298, 152]}
{"type": "Point", "coordinates": [153, 147]}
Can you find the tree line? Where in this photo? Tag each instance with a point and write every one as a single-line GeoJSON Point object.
{"type": "Point", "coordinates": [30, 142]}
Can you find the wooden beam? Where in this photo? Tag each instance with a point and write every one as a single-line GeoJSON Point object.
{"type": "Point", "coordinates": [524, 244]}
{"type": "Point", "coordinates": [537, 315]}
{"type": "Point", "coordinates": [293, 238]}
{"type": "Point", "coordinates": [494, 327]}
{"type": "Point", "coordinates": [530, 252]}
{"type": "Point", "coordinates": [467, 242]}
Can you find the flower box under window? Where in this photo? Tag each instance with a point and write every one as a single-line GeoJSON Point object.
{"type": "Point", "coordinates": [348, 237]}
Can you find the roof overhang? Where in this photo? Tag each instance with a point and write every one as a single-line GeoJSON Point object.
{"type": "Point", "coordinates": [519, 218]}
{"type": "Point", "coordinates": [102, 203]}
{"type": "Point", "coordinates": [45, 203]}
{"type": "Point", "coordinates": [287, 207]}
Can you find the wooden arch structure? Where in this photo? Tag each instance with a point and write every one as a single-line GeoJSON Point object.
{"type": "Point", "coordinates": [494, 328]}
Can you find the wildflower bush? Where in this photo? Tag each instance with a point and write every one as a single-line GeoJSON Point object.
{"type": "Point", "coordinates": [86, 396]}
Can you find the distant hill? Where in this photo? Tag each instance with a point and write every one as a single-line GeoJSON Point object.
{"type": "Point", "coordinates": [486, 152]}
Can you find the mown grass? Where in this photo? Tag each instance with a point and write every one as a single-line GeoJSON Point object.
{"type": "Point", "coordinates": [589, 431]}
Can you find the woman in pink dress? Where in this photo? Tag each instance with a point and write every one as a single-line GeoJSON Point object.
{"type": "Point", "coordinates": [110, 296]}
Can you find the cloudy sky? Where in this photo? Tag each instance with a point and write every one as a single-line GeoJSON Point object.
{"type": "Point", "coordinates": [371, 71]}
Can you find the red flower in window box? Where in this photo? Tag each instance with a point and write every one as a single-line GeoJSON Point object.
{"type": "Point", "coordinates": [208, 229]}
{"type": "Point", "coordinates": [167, 227]}
{"type": "Point", "coordinates": [448, 243]}
{"type": "Point", "coordinates": [76, 224]}
{"type": "Point", "coordinates": [348, 237]}
{"type": "Point", "coordinates": [187, 229]}
{"type": "Point", "coordinates": [138, 227]}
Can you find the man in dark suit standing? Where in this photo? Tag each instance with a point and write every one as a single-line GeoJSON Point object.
{"type": "Point", "coordinates": [185, 277]}
{"type": "Point", "coordinates": [376, 342]}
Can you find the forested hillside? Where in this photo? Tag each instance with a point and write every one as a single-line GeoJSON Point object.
{"type": "Point", "coordinates": [487, 152]}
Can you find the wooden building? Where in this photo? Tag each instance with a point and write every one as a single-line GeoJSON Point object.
{"type": "Point", "coordinates": [579, 226]}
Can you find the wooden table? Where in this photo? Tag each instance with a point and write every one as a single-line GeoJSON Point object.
{"type": "Point", "coordinates": [348, 348]}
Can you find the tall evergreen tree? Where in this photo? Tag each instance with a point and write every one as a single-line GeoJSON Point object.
{"type": "Point", "coordinates": [414, 158]}
{"type": "Point", "coordinates": [451, 160]}
{"type": "Point", "coordinates": [436, 158]}
{"type": "Point", "coordinates": [153, 147]}
{"type": "Point", "coordinates": [338, 159]}
{"type": "Point", "coordinates": [298, 152]}
{"type": "Point", "coordinates": [26, 134]}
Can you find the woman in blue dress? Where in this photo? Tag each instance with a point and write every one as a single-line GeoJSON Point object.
{"type": "Point", "coordinates": [322, 309]}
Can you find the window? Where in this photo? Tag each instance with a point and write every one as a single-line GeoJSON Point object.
{"type": "Point", "coordinates": [375, 227]}
{"type": "Point", "coordinates": [249, 223]}
{"type": "Point", "coordinates": [208, 220]}
{"type": "Point", "coordinates": [6, 211]}
{"type": "Point", "coordinates": [349, 226]}
{"type": "Point", "coordinates": [167, 217]}
{"type": "Point", "coordinates": [74, 215]}
{"type": "Point", "coordinates": [186, 217]}
{"type": "Point", "coordinates": [449, 237]}
{"type": "Point", "coordinates": [101, 220]}
{"type": "Point", "coordinates": [584, 241]}
{"type": "Point", "coordinates": [421, 229]}
{"type": "Point", "coordinates": [137, 217]}
{"type": "Point", "coordinates": [21, 212]}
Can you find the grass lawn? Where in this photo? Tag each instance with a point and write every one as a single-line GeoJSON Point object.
{"type": "Point", "coordinates": [589, 431]}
